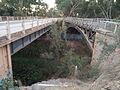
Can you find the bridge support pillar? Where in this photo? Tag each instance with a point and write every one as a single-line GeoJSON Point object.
{"type": "Point", "coordinates": [5, 62]}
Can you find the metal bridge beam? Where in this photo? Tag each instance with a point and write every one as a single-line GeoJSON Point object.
{"type": "Point", "coordinates": [23, 42]}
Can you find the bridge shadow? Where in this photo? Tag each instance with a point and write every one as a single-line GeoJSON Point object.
{"type": "Point", "coordinates": [76, 40]}
{"type": "Point", "coordinates": [30, 64]}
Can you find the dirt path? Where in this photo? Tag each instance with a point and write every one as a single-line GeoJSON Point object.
{"type": "Point", "coordinates": [60, 84]}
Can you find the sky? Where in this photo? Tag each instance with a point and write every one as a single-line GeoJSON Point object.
{"type": "Point", "coordinates": [51, 3]}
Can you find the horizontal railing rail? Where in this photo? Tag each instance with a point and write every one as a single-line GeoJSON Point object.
{"type": "Point", "coordinates": [96, 23]}
{"type": "Point", "coordinates": [12, 18]}
{"type": "Point", "coordinates": [9, 26]}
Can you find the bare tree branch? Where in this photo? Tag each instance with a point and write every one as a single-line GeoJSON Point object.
{"type": "Point", "coordinates": [74, 7]}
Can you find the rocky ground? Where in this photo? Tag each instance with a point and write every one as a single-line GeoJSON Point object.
{"type": "Point", "coordinates": [60, 84]}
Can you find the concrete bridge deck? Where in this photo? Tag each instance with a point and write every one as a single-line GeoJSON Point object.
{"type": "Point", "coordinates": [11, 31]}
{"type": "Point", "coordinates": [16, 26]}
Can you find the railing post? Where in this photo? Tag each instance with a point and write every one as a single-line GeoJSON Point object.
{"type": "Point", "coordinates": [42, 23]}
{"type": "Point", "coordinates": [17, 18]}
{"type": "Point", "coordinates": [82, 21]}
{"type": "Point", "coordinates": [105, 25]}
{"type": "Point", "coordinates": [8, 29]}
{"type": "Point", "coordinates": [0, 19]}
{"type": "Point", "coordinates": [98, 20]}
{"type": "Point", "coordinates": [37, 23]}
{"type": "Point", "coordinates": [47, 22]}
{"type": "Point", "coordinates": [116, 26]}
{"type": "Point", "coordinates": [32, 23]}
{"type": "Point", "coordinates": [23, 25]}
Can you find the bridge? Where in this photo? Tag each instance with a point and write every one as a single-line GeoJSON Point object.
{"type": "Point", "coordinates": [15, 34]}
{"type": "Point", "coordinates": [18, 32]}
{"type": "Point", "coordinates": [90, 26]}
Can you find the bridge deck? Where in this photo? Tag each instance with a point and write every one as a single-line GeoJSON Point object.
{"type": "Point", "coordinates": [11, 31]}
{"type": "Point", "coordinates": [16, 26]}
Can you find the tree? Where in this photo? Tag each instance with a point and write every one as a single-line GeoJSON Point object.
{"type": "Point", "coordinates": [41, 9]}
{"type": "Point", "coordinates": [91, 8]}
{"type": "Point", "coordinates": [21, 7]}
{"type": "Point", "coordinates": [53, 12]}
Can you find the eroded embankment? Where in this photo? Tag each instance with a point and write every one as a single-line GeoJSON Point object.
{"type": "Point", "coordinates": [107, 56]}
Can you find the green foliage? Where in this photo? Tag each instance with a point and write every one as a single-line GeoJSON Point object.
{"type": "Point", "coordinates": [7, 83]}
{"type": "Point", "coordinates": [22, 8]}
{"type": "Point", "coordinates": [65, 6]}
{"type": "Point", "coordinates": [82, 8]}
{"type": "Point", "coordinates": [118, 38]}
{"type": "Point", "coordinates": [109, 48]}
{"type": "Point", "coordinates": [33, 70]}
{"type": "Point", "coordinates": [93, 72]}
{"type": "Point", "coordinates": [71, 59]}
{"type": "Point", "coordinates": [54, 13]}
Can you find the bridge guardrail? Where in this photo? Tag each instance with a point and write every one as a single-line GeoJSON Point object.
{"type": "Point", "coordinates": [9, 27]}
{"type": "Point", "coordinates": [97, 23]}
{"type": "Point", "coordinates": [12, 18]}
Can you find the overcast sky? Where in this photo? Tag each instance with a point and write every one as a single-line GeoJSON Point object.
{"type": "Point", "coordinates": [51, 3]}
